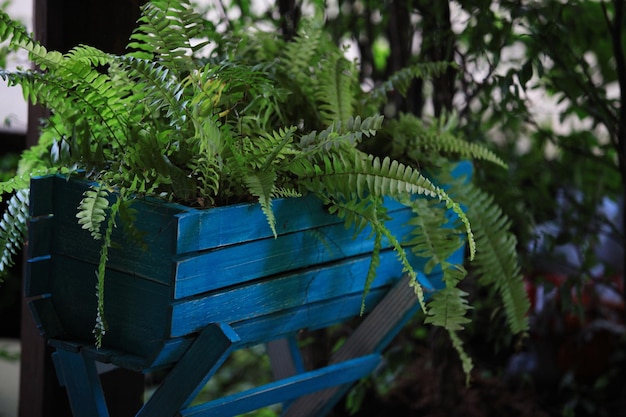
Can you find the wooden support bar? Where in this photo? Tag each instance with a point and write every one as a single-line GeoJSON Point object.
{"type": "Point", "coordinates": [286, 389]}
{"type": "Point", "coordinates": [193, 370]}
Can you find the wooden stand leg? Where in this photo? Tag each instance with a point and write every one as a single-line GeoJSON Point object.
{"type": "Point", "coordinates": [80, 376]}
{"type": "Point", "coordinates": [203, 358]}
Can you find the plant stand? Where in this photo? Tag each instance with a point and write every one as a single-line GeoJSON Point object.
{"type": "Point", "coordinates": [208, 283]}
{"type": "Point", "coordinates": [357, 358]}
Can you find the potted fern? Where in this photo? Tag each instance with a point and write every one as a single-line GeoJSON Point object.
{"type": "Point", "coordinates": [209, 177]}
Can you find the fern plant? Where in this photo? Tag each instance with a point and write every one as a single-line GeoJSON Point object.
{"type": "Point", "coordinates": [253, 117]}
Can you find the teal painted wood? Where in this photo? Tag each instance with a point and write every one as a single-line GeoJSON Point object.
{"type": "Point", "coordinates": [267, 256]}
{"type": "Point", "coordinates": [286, 389]}
{"type": "Point", "coordinates": [196, 367]}
{"type": "Point", "coordinates": [79, 375]}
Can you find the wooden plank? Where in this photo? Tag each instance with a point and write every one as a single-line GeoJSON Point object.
{"type": "Point", "coordinates": [193, 370]}
{"type": "Point", "coordinates": [80, 377]}
{"type": "Point", "coordinates": [285, 389]}
{"type": "Point", "coordinates": [236, 264]}
{"type": "Point", "coordinates": [251, 332]}
{"type": "Point", "coordinates": [200, 230]}
{"type": "Point", "coordinates": [279, 293]}
{"type": "Point", "coordinates": [39, 389]}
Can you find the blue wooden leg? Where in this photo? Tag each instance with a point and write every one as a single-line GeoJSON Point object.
{"type": "Point", "coordinates": [203, 358]}
{"type": "Point", "coordinates": [79, 376]}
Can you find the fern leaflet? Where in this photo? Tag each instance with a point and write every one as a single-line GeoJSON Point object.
{"type": "Point", "coordinates": [91, 210]}
{"type": "Point", "coordinates": [13, 227]}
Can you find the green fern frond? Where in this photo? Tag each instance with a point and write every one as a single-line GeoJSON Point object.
{"type": "Point", "coordinates": [334, 89]}
{"type": "Point", "coordinates": [12, 30]}
{"type": "Point", "coordinates": [301, 52]}
{"type": "Point", "coordinates": [159, 33]}
{"type": "Point", "coordinates": [17, 35]}
{"type": "Point", "coordinates": [74, 84]}
{"type": "Point", "coordinates": [274, 147]}
{"type": "Point", "coordinates": [365, 175]}
{"type": "Point", "coordinates": [89, 55]}
{"type": "Point", "coordinates": [448, 309]}
{"type": "Point", "coordinates": [101, 327]}
{"type": "Point", "coordinates": [496, 263]}
{"type": "Point", "coordinates": [13, 228]}
{"type": "Point", "coordinates": [413, 135]}
{"type": "Point", "coordinates": [163, 92]}
{"type": "Point", "coordinates": [432, 239]}
{"type": "Point", "coordinates": [261, 185]}
{"type": "Point", "coordinates": [361, 213]}
{"type": "Point", "coordinates": [466, 360]}
{"type": "Point", "coordinates": [340, 133]}
{"type": "Point", "coordinates": [91, 210]}
{"type": "Point", "coordinates": [19, 182]}
{"type": "Point", "coordinates": [401, 80]}
{"type": "Point", "coordinates": [372, 268]}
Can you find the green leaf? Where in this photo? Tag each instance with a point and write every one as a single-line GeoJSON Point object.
{"type": "Point", "coordinates": [91, 210]}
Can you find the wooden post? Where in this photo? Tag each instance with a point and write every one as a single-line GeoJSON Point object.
{"type": "Point", "coordinates": [60, 25]}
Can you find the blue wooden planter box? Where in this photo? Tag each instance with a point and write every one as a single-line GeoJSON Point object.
{"type": "Point", "coordinates": [198, 268]}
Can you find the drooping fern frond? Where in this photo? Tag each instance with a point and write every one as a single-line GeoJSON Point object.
{"type": "Point", "coordinates": [365, 175]}
{"type": "Point", "coordinates": [496, 263]}
{"type": "Point", "coordinates": [101, 327]}
{"type": "Point", "coordinates": [433, 238]}
{"type": "Point", "coordinates": [13, 228]}
{"type": "Point", "coordinates": [466, 360]}
{"type": "Point", "coordinates": [360, 213]}
{"type": "Point", "coordinates": [448, 309]}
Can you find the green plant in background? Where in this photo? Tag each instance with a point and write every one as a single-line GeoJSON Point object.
{"type": "Point", "coordinates": [242, 115]}
{"type": "Point", "coordinates": [5, 49]}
